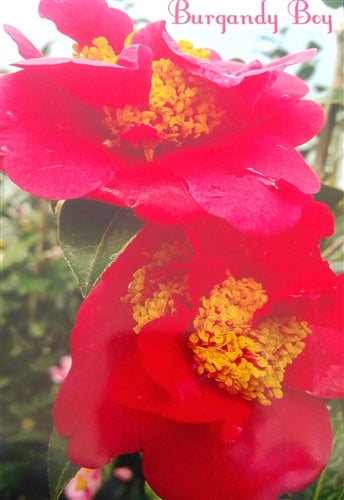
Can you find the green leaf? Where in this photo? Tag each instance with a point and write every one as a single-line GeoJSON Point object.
{"type": "Point", "coordinates": [60, 469]}
{"type": "Point", "coordinates": [150, 493]}
{"type": "Point", "coordinates": [330, 96]}
{"type": "Point", "coordinates": [306, 70]}
{"type": "Point", "coordinates": [334, 4]}
{"type": "Point", "coordinates": [329, 195]}
{"type": "Point", "coordinates": [92, 235]}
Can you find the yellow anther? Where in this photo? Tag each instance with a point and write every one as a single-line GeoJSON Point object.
{"type": "Point", "coordinates": [153, 296]}
{"type": "Point", "coordinates": [181, 107]}
{"type": "Point", "coordinates": [100, 50]}
{"type": "Point", "coordinates": [244, 360]}
{"type": "Point", "coordinates": [188, 48]}
{"type": "Point", "coordinates": [128, 39]}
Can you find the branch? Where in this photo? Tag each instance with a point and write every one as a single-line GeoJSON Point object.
{"type": "Point", "coordinates": [331, 110]}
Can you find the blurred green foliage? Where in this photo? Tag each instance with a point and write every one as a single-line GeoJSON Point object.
{"type": "Point", "coordinates": [39, 300]}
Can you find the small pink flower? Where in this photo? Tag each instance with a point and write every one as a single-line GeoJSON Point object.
{"type": "Point", "coordinates": [123, 474]}
{"type": "Point", "coordinates": [85, 485]}
{"type": "Point", "coordinates": [59, 373]}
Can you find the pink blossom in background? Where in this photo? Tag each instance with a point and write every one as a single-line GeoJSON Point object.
{"type": "Point", "coordinates": [59, 373]}
{"type": "Point", "coordinates": [85, 485]}
{"type": "Point", "coordinates": [123, 474]}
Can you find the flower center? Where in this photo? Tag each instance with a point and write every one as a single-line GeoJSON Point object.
{"type": "Point", "coordinates": [181, 106]}
{"type": "Point", "coordinates": [157, 286]}
{"type": "Point", "coordinates": [245, 360]}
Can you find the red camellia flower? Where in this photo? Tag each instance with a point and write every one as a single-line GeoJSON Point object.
{"type": "Point", "coordinates": [209, 351]}
{"type": "Point", "coordinates": [168, 130]}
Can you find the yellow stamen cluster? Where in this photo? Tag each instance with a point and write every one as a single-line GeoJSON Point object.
{"type": "Point", "coordinates": [99, 51]}
{"type": "Point", "coordinates": [152, 293]}
{"type": "Point", "coordinates": [181, 106]}
{"type": "Point", "coordinates": [188, 48]}
{"type": "Point", "coordinates": [244, 360]}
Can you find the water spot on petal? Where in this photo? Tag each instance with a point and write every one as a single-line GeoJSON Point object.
{"type": "Point", "coordinates": [12, 116]}
{"type": "Point", "coordinates": [4, 151]}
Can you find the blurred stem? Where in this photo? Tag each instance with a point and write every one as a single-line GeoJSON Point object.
{"type": "Point", "coordinates": [318, 488]}
{"type": "Point", "coordinates": [331, 110]}
{"type": "Point", "coordinates": [338, 242]}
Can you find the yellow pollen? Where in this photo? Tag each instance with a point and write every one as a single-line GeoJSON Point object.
{"type": "Point", "coordinates": [100, 50]}
{"type": "Point", "coordinates": [188, 48]}
{"type": "Point", "coordinates": [244, 360]}
{"type": "Point", "coordinates": [181, 106]}
{"type": "Point", "coordinates": [128, 39]}
{"type": "Point", "coordinates": [156, 285]}
{"type": "Point", "coordinates": [81, 483]}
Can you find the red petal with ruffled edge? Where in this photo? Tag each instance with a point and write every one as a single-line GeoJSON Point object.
{"type": "Point", "coordinates": [319, 369]}
{"type": "Point", "coordinates": [98, 83]}
{"type": "Point", "coordinates": [280, 112]}
{"type": "Point", "coordinates": [83, 21]}
{"type": "Point", "coordinates": [252, 152]}
{"type": "Point", "coordinates": [226, 74]}
{"type": "Point", "coordinates": [274, 455]}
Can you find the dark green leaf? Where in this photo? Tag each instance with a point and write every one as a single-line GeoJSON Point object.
{"type": "Point", "coordinates": [92, 235]}
{"type": "Point", "coordinates": [306, 70]}
{"type": "Point", "coordinates": [329, 195]}
{"type": "Point", "coordinates": [331, 96]}
{"type": "Point", "coordinates": [334, 4]}
{"type": "Point", "coordinates": [60, 469]}
{"type": "Point", "coordinates": [313, 45]}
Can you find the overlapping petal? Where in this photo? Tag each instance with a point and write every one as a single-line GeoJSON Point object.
{"type": "Point", "coordinates": [85, 20]}
{"type": "Point", "coordinates": [274, 454]}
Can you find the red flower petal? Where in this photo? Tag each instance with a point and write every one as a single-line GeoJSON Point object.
{"type": "Point", "coordinates": [98, 83]}
{"type": "Point", "coordinates": [279, 120]}
{"type": "Point", "coordinates": [245, 202]}
{"type": "Point", "coordinates": [275, 454]}
{"type": "Point", "coordinates": [165, 357]}
{"type": "Point", "coordinates": [224, 73]}
{"type": "Point", "coordinates": [51, 149]}
{"type": "Point", "coordinates": [83, 21]}
{"type": "Point", "coordinates": [138, 133]}
{"type": "Point", "coordinates": [25, 48]}
{"type": "Point", "coordinates": [319, 369]}
{"type": "Point", "coordinates": [131, 387]}
{"type": "Point", "coordinates": [154, 194]}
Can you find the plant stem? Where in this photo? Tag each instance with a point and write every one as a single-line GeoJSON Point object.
{"type": "Point", "coordinates": [320, 481]}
